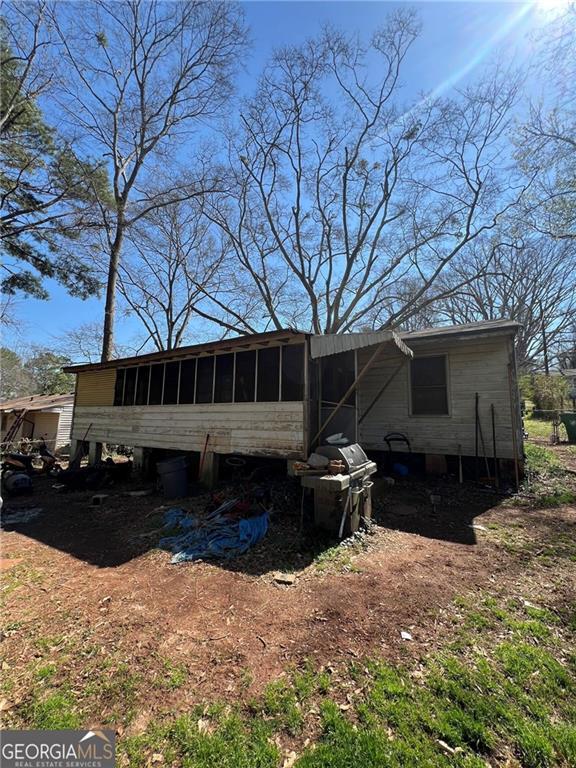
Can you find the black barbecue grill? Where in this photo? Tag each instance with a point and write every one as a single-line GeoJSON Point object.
{"type": "Point", "coordinates": [340, 501]}
{"type": "Point", "coordinates": [353, 456]}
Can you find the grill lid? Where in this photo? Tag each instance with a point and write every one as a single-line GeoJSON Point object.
{"type": "Point", "coordinates": [353, 455]}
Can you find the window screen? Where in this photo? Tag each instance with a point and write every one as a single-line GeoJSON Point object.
{"type": "Point", "coordinates": [119, 387]}
{"type": "Point", "coordinates": [268, 374]}
{"type": "Point", "coordinates": [187, 381]}
{"type": "Point", "coordinates": [224, 384]}
{"type": "Point", "coordinates": [293, 372]}
{"type": "Point", "coordinates": [129, 386]}
{"type": "Point", "coordinates": [337, 374]}
{"type": "Point", "coordinates": [156, 384]}
{"type": "Point", "coordinates": [245, 387]}
{"type": "Point", "coordinates": [204, 379]}
{"type": "Point", "coordinates": [142, 385]}
{"type": "Point", "coordinates": [428, 384]}
{"type": "Point", "coordinates": [171, 376]}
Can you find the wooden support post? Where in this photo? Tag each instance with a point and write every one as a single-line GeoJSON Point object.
{"type": "Point", "coordinates": [209, 473]}
{"type": "Point", "coordinates": [138, 459]}
{"type": "Point", "coordinates": [94, 453]}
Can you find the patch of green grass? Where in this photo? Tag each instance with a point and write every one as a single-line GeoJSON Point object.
{"type": "Point", "coordinates": [537, 427]}
{"type": "Point", "coordinates": [175, 675]}
{"type": "Point", "coordinates": [54, 711]}
{"type": "Point", "coordinates": [45, 672]}
{"type": "Point", "coordinates": [230, 742]}
{"type": "Point", "coordinates": [541, 459]}
{"type": "Point", "coordinates": [307, 682]}
{"type": "Point", "coordinates": [115, 687]}
{"type": "Point", "coordinates": [280, 705]}
{"type": "Point", "coordinates": [506, 693]}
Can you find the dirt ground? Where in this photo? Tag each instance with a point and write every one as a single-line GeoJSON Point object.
{"type": "Point", "coordinates": [93, 578]}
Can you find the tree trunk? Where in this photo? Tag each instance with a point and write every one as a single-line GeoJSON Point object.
{"type": "Point", "coordinates": [110, 307]}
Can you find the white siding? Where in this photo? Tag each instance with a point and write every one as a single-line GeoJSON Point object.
{"type": "Point", "coordinates": [256, 429]}
{"type": "Point", "coordinates": [64, 425]}
{"type": "Point", "coordinates": [478, 366]}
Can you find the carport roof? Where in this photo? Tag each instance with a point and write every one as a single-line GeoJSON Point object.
{"type": "Point", "coordinates": [37, 402]}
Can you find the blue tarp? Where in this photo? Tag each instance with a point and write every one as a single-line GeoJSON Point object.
{"type": "Point", "coordinates": [212, 535]}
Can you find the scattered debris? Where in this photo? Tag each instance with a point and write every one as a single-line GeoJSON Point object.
{"type": "Point", "coordinates": [226, 531]}
{"type": "Point", "coordinates": [19, 516]}
{"type": "Point", "coordinates": [406, 635]}
{"type": "Point", "coordinates": [290, 759]}
{"type": "Point", "coordinates": [284, 578]}
{"type": "Point", "coordinates": [447, 748]}
{"type": "Point", "coordinates": [97, 499]}
{"type": "Point", "coordinates": [478, 527]}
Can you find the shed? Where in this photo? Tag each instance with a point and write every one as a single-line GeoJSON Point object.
{"type": "Point", "coordinates": [280, 393]}
{"type": "Point", "coordinates": [38, 416]}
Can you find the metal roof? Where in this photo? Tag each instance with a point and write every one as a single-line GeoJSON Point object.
{"type": "Point", "coordinates": [322, 345]}
{"type": "Point", "coordinates": [223, 345]}
{"type": "Point", "coordinates": [37, 402]}
{"type": "Point", "coordinates": [465, 329]}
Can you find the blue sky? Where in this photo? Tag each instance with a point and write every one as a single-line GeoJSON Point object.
{"type": "Point", "coordinates": [457, 39]}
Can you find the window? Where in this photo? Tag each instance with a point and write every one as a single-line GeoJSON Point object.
{"type": "Point", "coordinates": [428, 382]}
{"type": "Point", "coordinates": [293, 372]}
{"type": "Point", "coordinates": [245, 386]}
{"type": "Point", "coordinates": [268, 374]}
{"type": "Point", "coordinates": [142, 385]}
{"type": "Point", "coordinates": [204, 379]}
{"type": "Point", "coordinates": [119, 387]}
{"type": "Point", "coordinates": [224, 384]}
{"type": "Point", "coordinates": [171, 376]}
{"type": "Point", "coordinates": [129, 386]}
{"type": "Point", "coordinates": [156, 384]}
{"type": "Point", "coordinates": [187, 381]}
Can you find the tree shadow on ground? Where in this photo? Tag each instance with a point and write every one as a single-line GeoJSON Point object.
{"type": "Point", "coordinates": [124, 528]}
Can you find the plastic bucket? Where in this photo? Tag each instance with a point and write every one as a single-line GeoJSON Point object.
{"type": "Point", "coordinates": [569, 421]}
{"type": "Point", "coordinates": [174, 476]}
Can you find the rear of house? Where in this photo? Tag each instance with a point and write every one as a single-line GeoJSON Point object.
{"type": "Point", "coordinates": [279, 394]}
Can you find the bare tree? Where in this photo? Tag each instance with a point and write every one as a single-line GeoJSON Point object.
{"type": "Point", "coordinates": [530, 280]}
{"type": "Point", "coordinates": [341, 194]}
{"type": "Point", "coordinates": [171, 264]}
{"type": "Point", "coordinates": [547, 139]}
{"type": "Point", "coordinates": [144, 76]}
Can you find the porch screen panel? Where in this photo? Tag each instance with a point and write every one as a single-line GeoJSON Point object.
{"type": "Point", "coordinates": [187, 381]}
{"type": "Point", "coordinates": [224, 382]}
{"type": "Point", "coordinates": [142, 385]}
{"type": "Point", "coordinates": [245, 386]}
{"type": "Point", "coordinates": [129, 386]}
{"type": "Point", "coordinates": [268, 375]}
{"type": "Point", "coordinates": [204, 379]}
{"type": "Point", "coordinates": [171, 376]}
{"type": "Point", "coordinates": [119, 387]}
{"type": "Point", "coordinates": [293, 372]}
{"type": "Point", "coordinates": [156, 383]}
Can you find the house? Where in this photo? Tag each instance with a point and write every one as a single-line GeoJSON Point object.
{"type": "Point", "coordinates": [38, 416]}
{"type": "Point", "coordinates": [281, 393]}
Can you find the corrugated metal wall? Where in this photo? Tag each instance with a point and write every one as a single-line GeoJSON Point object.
{"type": "Point", "coordinates": [95, 387]}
